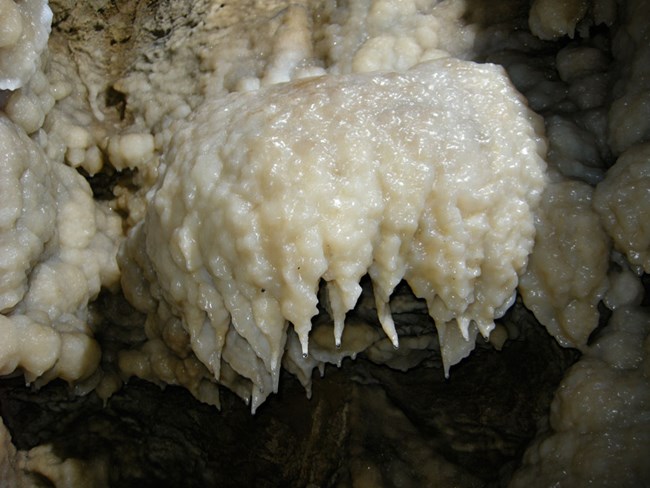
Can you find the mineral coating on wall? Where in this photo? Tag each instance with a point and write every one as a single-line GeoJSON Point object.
{"type": "Point", "coordinates": [399, 176]}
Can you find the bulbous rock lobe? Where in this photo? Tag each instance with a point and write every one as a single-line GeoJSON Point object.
{"type": "Point", "coordinates": [24, 31]}
{"type": "Point", "coordinates": [431, 176]}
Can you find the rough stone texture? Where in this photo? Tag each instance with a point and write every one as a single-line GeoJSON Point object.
{"type": "Point", "coordinates": [480, 420]}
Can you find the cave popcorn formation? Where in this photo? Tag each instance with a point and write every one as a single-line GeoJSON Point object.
{"type": "Point", "coordinates": [399, 176]}
{"type": "Point", "coordinates": [24, 31]}
{"type": "Point", "coordinates": [58, 244]}
{"type": "Point", "coordinates": [222, 260]}
{"type": "Point", "coordinates": [58, 250]}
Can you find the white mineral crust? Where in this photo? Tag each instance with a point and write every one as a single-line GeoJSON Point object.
{"type": "Point", "coordinates": [24, 31]}
{"type": "Point", "coordinates": [399, 176]}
